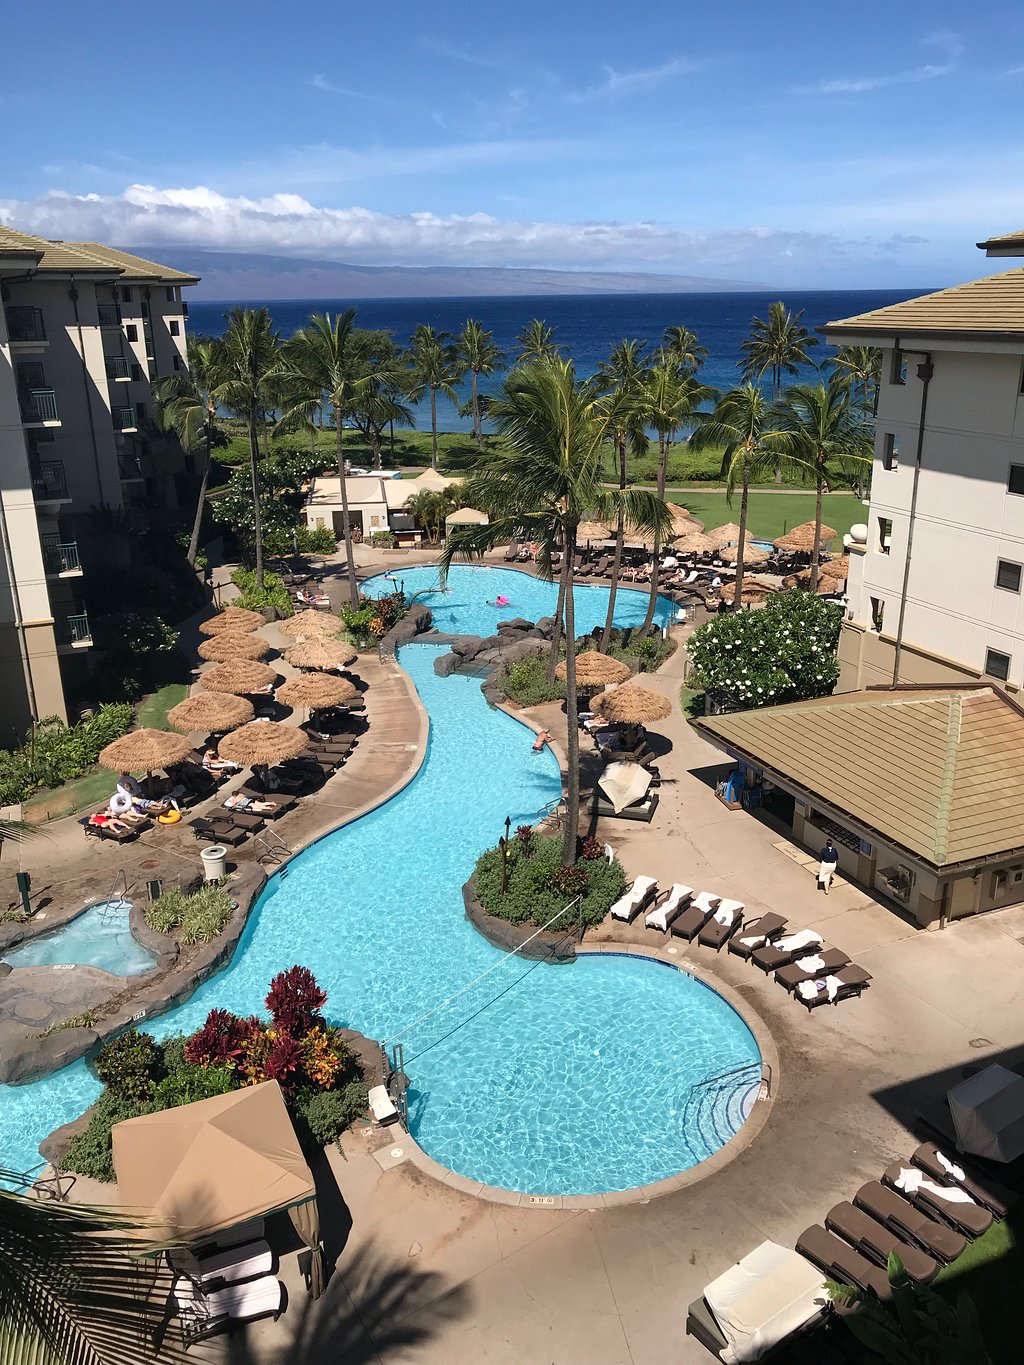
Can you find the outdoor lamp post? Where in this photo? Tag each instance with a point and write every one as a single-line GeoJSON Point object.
{"type": "Point", "coordinates": [503, 845]}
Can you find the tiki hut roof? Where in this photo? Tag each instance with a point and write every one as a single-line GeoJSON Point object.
{"type": "Point", "coordinates": [310, 622]}
{"type": "Point", "coordinates": [232, 644]}
{"type": "Point", "coordinates": [695, 543]}
{"type": "Point", "coordinates": [320, 652]}
{"type": "Point", "coordinates": [263, 742]}
{"type": "Point", "coordinates": [144, 750]}
{"type": "Point", "coordinates": [754, 590]}
{"type": "Point", "coordinates": [238, 676]}
{"type": "Point", "coordinates": [316, 690]}
{"type": "Point", "coordinates": [802, 537]}
{"type": "Point", "coordinates": [594, 669]}
{"type": "Point", "coordinates": [728, 534]}
{"type": "Point", "coordinates": [832, 575]}
{"type": "Point", "coordinates": [631, 704]}
{"type": "Point", "coordinates": [466, 516]}
{"type": "Point", "coordinates": [593, 530]}
{"type": "Point", "coordinates": [683, 521]}
{"type": "Point", "coordinates": [837, 569]}
{"type": "Point", "coordinates": [752, 554]}
{"type": "Point", "coordinates": [232, 618]}
{"type": "Point", "coordinates": [208, 711]}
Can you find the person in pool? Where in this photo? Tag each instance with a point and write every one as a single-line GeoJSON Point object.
{"type": "Point", "coordinates": [502, 601]}
{"type": "Point", "coordinates": [544, 737]}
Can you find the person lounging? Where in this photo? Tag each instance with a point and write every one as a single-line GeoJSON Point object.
{"type": "Point", "coordinates": [118, 824]}
{"type": "Point", "coordinates": [248, 804]}
{"type": "Point", "coordinates": [214, 764]}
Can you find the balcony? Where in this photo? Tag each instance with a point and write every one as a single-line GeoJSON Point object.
{"type": "Point", "coordinates": [73, 633]}
{"type": "Point", "coordinates": [124, 419]}
{"type": "Point", "coordinates": [118, 368]}
{"type": "Point", "coordinates": [110, 315]}
{"type": "Point", "coordinates": [60, 557]}
{"type": "Point", "coordinates": [129, 468]}
{"type": "Point", "coordinates": [25, 326]}
{"type": "Point", "coordinates": [49, 482]}
{"type": "Point", "coordinates": [184, 310]}
{"type": "Point", "coordinates": [38, 408]}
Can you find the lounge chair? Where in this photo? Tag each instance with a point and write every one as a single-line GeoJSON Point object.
{"type": "Point", "coordinates": [908, 1222]}
{"type": "Point", "coordinates": [786, 950]}
{"type": "Point", "coordinates": [836, 986]}
{"type": "Point", "coordinates": [876, 1242]}
{"type": "Point", "coordinates": [756, 933]}
{"type": "Point", "coordinates": [725, 921]}
{"type": "Point", "coordinates": [666, 911]}
{"type": "Point", "coordinates": [840, 1261]}
{"type": "Point", "coordinates": [691, 577]}
{"type": "Point", "coordinates": [381, 1105]}
{"type": "Point", "coordinates": [218, 831]}
{"type": "Point", "coordinates": [808, 968]}
{"type": "Point", "coordinates": [105, 832]}
{"type": "Point", "coordinates": [637, 898]}
{"type": "Point", "coordinates": [949, 1203]}
{"type": "Point", "coordinates": [202, 1315]}
{"type": "Point", "coordinates": [282, 804]}
{"type": "Point", "coordinates": [224, 1266]}
{"type": "Point", "coordinates": [695, 916]}
{"type": "Point", "coordinates": [983, 1189]}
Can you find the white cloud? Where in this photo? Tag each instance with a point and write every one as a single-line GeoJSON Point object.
{"type": "Point", "coordinates": [946, 43]}
{"type": "Point", "coordinates": [439, 48]}
{"type": "Point", "coordinates": [619, 83]}
{"type": "Point", "coordinates": [320, 82]}
{"type": "Point", "coordinates": [287, 224]}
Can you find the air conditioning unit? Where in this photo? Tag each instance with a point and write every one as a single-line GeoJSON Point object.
{"type": "Point", "coordinates": [1016, 874]}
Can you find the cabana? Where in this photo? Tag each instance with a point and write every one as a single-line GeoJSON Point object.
{"type": "Point", "coordinates": [988, 1114]}
{"type": "Point", "coordinates": [198, 1170]}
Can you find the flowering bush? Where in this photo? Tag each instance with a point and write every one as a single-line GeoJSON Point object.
{"type": "Point", "coordinates": [785, 651]}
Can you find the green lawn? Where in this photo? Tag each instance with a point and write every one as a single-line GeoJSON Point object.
{"type": "Point", "coordinates": [92, 789]}
{"type": "Point", "coordinates": [153, 709]}
{"type": "Point", "coordinates": [771, 515]}
{"type": "Point", "coordinates": [991, 1270]}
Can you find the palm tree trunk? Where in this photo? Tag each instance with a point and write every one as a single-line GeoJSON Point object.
{"type": "Point", "coordinates": [433, 427]}
{"type": "Point", "coordinates": [556, 633]}
{"type": "Point", "coordinates": [652, 601]}
{"type": "Point", "coordinates": [193, 540]}
{"type": "Point", "coordinates": [572, 754]}
{"type": "Point", "coordinates": [375, 446]}
{"type": "Point", "coordinates": [346, 525]}
{"type": "Point", "coordinates": [475, 404]}
{"type": "Point", "coordinates": [737, 600]}
{"type": "Point", "coordinates": [620, 537]}
{"type": "Point", "coordinates": [257, 520]}
{"type": "Point", "coordinates": [816, 551]}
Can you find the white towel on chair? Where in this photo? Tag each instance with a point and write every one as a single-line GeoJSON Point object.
{"type": "Point", "coordinates": [950, 1167]}
{"type": "Point", "coordinates": [755, 941]}
{"type": "Point", "coordinates": [832, 984]}
{"type": "Point", "coordinates": [811, 965]}
{"type": "Point", "coordinates": [724, 917]}
{"type": "Point", "coordinates": [910, 1181]}
{"type": "Point", "coordinates": [810, 990]}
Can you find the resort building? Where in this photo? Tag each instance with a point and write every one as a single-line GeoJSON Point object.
{"type": "Point", "coordinates": [919, 789]}
{"type": "Point", "coordinates": [376, 503]}
{"type": "Point", "coordinates": [83, 331]}
{"type": "Point", "coordinates": [936, 579]}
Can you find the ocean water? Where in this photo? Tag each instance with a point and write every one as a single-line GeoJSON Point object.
{"type": "Point", "coordinates": [586, 326]}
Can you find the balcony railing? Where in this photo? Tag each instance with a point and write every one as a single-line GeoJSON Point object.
{"type": "Point", "coordinates": [73, 630]}
{"type": "Point", "coordinates": [118, 367]}
{"type": "Point", "coordinates": [124, 419]}
{"type": "Point", "coordinates": [60, 556]}
{"type": "Point", "coordinates": [38, 405]}
{"type": "Point", "coordinates": [110, 315]}
{"type": "Point", "coordinates": [25, 324]}
{"type": "Point", "coordinates": [49, 482]}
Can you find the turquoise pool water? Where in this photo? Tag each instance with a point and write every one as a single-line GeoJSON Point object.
{"type": "Point", "coordinates": [98, 937]}
{"type": "Point", "coordinates": [469, 607]}
{"type": "Point", "coordinates": [579, 1078]}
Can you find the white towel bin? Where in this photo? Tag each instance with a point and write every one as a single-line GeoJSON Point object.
{"type": "Point", "coordinates": [215, 862]}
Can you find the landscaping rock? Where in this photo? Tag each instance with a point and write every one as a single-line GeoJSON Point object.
{"type": "Point", "coordinates": [546, 626]}
{"type": "Point", "coordinates": [28, 1058]}
{"type": "Point", "coordinates": [55, 1147]}
{"type": "Point", "coordinates": [468, 647]}
{"type": "Point", "coordinates": [446, 664]}
{"type": "Point", "coordinates": [525, 648]}
{"type": "Point", "coordinates": [508, 936]}
{"type": "Point", "coordinates": [516, 623]}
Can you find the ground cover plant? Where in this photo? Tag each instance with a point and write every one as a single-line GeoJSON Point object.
{"type": "Point", "coordinates": [54, 753]}
{"type": "Point", "coordinates": [538, 886]}
{"type": "Point", "coordinates": [198, 915]}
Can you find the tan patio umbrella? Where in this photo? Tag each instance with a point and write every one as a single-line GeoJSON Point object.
{"type": "Point", "coordinates": [232, 644]}
{"type": "Point", "coordinates": [310, 622]}
{"type": "Point", "coordinates": [752, 554]}
{"type": "Point", "coordinates": [683, 521]}
{"type": "Point", "coordinates": [631, 704]}
{"type": "Point", "coordinates": [316, 691]}
{"type": "Point", "coordinates": [210, 711]}
{"type": "Point", "coordinates": [802, 537]}
{"type": "Point", "coordinates": [728, 534]}
{"type": "Point", "coordinates": [594, 669]}
{"type": "Point", "coordinates": [802, 580]}
{"type": "Point", "coordinates": [263, 743]}
{"type": "Point", "coordinates": [624, 783]}
{"type": "Point", "coordinates": [694, 543]}
{"type": "Point", "coordinates": [144, 751]}
{"type": "Point", "coordinates": [241, 677]}
{"type": "Point", "coordinates": [232, 618]}
{"type": "Point", "coordinates": [593, 530]}
{"type": "Point", "coordinates": [320, 652]}
{"type": "Point", "coordinates": [467, 516]}
{"type": "Point", "coordinates": [754, 590]}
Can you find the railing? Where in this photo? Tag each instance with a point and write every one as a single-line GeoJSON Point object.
{"type": "Point", "coordinates": [25, 324]}
{"type": "Point", "coordinates": [74, 630]}
{"type": "Point", "coordinates": [60, 556]}
{"type": "Point", "coordinates": [124, 419]}
{"type": "Point", "coordinates": [38, 405]}
{"type": "Point", "coordinates": [110, 315]}
{"type": "Point", "coordinates": [49, 482]}
{"type": "Point", "coordinates": [118, 367]}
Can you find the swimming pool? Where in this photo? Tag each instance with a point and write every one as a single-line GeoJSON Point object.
{"type": "Point", "coordinates": [581, 1078]}
{"type": "Point", "coordinates": [98, 937]}
{"type": "Point", "coordinates": [468, 607]}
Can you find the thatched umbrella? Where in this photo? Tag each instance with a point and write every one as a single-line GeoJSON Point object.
{"type": "Point", "coordinates": [210, 712]}
{"type": "Point", "coordinates": [728, 534]}
{"type": "Point", "coordinates": [232, 644]}
{"type": "Point", "coordinates": [694, 543]}
{"type": "Point", "coordinates": [593, 530]}
{"type": "Point", "coordinates": [594, 669]}
{"type": "Point", "coordinates": [317, 652]}
{"type": "Point", "coordinates": [683, 521]}
{"type": "Point", "coordinates": [837, 569]}
{"type": "Point", "coordinates": [801, 538]}
{"type": "Point", "coordinates": [263, 743]}
{"type": "Point", "coordinates": [754, 590]}
{"type": "Point", "coordinates": [316, 691]}
{"type": "Point", "coordinates": [241, 677]}
{"type": "Point", "coordinates": [310, 622]}
{"type": "Point", "coordinates": [752, 554]}
{"type": "Point", "coordinates": [232, 618]}
{"type": "Point", "coordinates": [631, 704]}
{"type": "Point", "coordinates": [144, 750]}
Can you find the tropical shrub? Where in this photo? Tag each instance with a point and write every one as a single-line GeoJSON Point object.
{"type": "Point", "coordinates": [538, 886]}
{"type": "Point", "coordinates": [254, 598]}
{"type": "Point", "coordinates": [372, 618]}
{"type": "Point", "coordinates": [525, 681]}
{"type": "Point", "coordinates": [89, 1152]}
{"type": "Point", "coordinates": [385, 540]}
{"type": "Point", "coordinates": [785, 651]}
{"type": "Point", "coordinates": [130, 1066]}
{"type": "Point", "coordinates": [200, 915]}
{"type": "Point", "coordinates": [295, 1001]}
{"type": "Point", "coordinates": [55, 753]}
{"type": "Point", "coordinates": [329, 1112]}
{"type": "Point", "coordinates": [186, 1084]}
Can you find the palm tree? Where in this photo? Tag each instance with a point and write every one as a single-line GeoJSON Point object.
{"type": "Point", "coordinates": [428, 509]}
{"type": "Point", "coordinates": [188, 408]}
{"type": "Point", "coordinates": [477, 353]}
{"type": "Point", "coordinates": [536, 342]}
{"type": "Point", "coordinates": [682, 346]}
{"type": "Point", "coordinates": [248, 374]}
{"type": "Point", "coordinates": [861, 368]}
{"type": "Point", "coordinates": [777, 344]}
{"type": "Point", "coordinates": [819, 426]}
{"type": "Point", "coordinates": [435, 367]}
{"type": "Point", "coordinates": [539, 484]}
{"type": "Point", "coordinates": [320, 359]}
{"type": "Point", "coordinates": [742, 423]}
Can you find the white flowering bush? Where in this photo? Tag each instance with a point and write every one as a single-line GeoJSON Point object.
{"type": "Point", "coordinates": [784, 651]}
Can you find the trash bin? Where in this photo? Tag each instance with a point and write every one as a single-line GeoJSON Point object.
{"type": "Point", "coordinates": [215, 862]}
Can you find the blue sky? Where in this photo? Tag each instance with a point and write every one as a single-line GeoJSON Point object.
{"type": "Point", "coordinates": [790, 144]}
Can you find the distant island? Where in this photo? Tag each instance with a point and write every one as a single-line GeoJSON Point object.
{"type": "Point", "coordinates": [245, 276]}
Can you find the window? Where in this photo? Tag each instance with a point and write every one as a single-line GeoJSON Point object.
{"type": "Point", "coordinates": [126, 294]}
{"type": "Point", "coordinates": [885, 534]}
{"type": "Point", "coordinates": [877, 613]}
{"type": "Point", "coordinates": [136, 372]}
{"type": "Point", "coordinates": [30, 375]}
{"type": "Point", "coordinates": [899, 368]}
{"type": "Point", "coordinates": [997, 665]}
{"type": "Point", "coordinates": [169, 293]}
{"type": "Point", "coordinates": [1008, 575]}
{"type": "Point", "coordinates": [891, 451]}
{"type": "Point", "coordinates": [131, 331]}
{"type": "Point", "coordinates": [140, 412]}
{"type": "Point", "coordinates": [177, 362]}
{"type": "Point", "coordinates": [1015, 483]}
{"type": "Point", "coordinates": [175, 327]}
